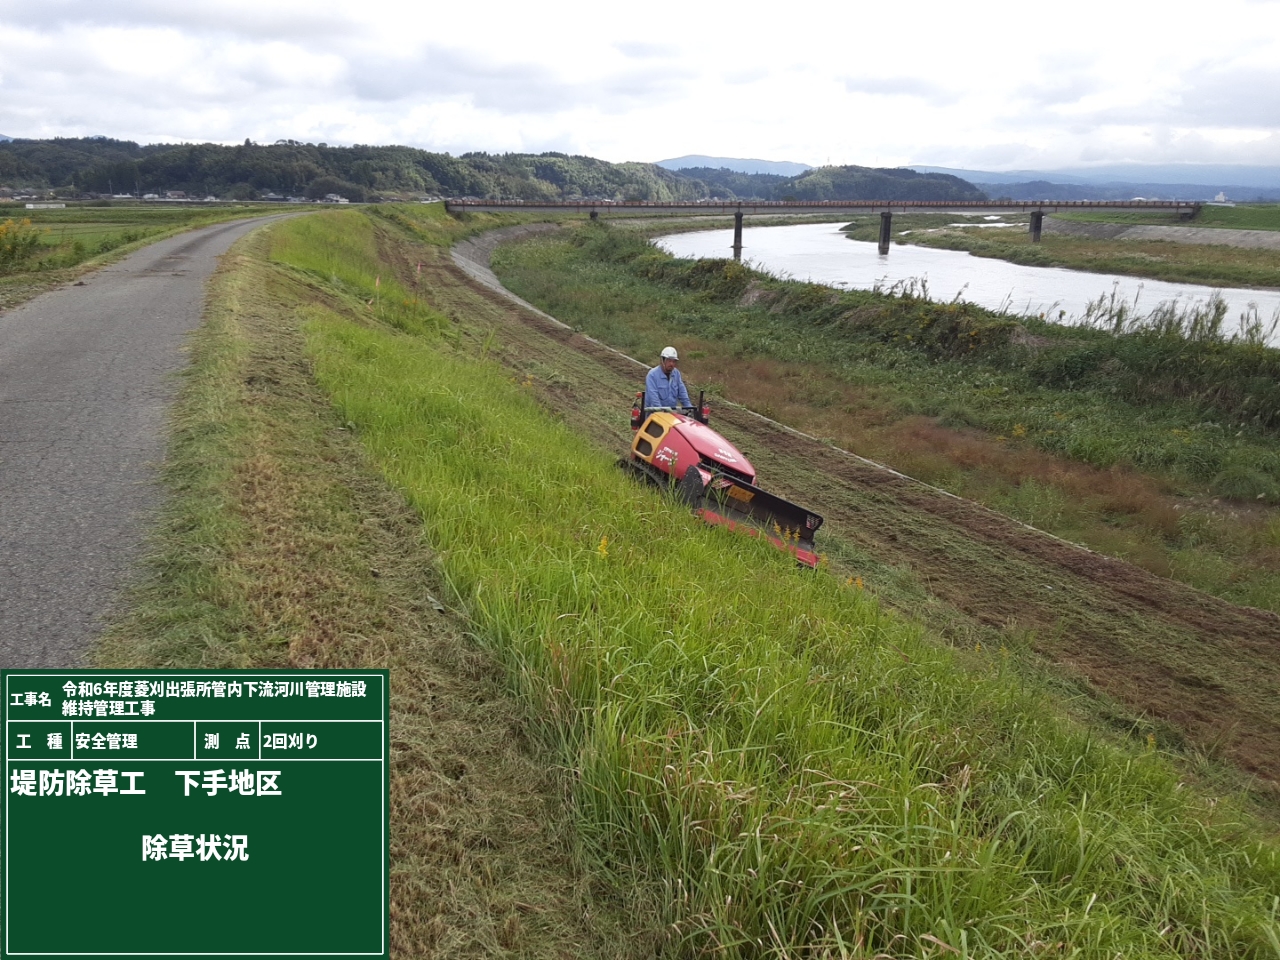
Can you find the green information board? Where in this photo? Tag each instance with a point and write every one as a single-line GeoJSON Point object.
{"type": "Point", "coordinates": [203, 813]}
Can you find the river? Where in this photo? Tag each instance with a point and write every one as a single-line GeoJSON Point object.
{"type": "Point", "coordinates": [820, 253]}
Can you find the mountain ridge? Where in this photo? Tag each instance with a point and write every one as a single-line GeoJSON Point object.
{"type": "Point", "coordinates": [1241, 178]}
{"type": "Point", "coordinates": [781, 168]}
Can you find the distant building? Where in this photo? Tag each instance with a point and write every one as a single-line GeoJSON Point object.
{"type": "Point", "coordinates": [335, 198]}
{"type": "Point", "coordinates": [175, 195]}
{"type": "Point", "coordinates": [1220, 198]}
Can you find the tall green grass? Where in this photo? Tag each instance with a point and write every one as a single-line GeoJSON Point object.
{"type": "Point", "coordinates": [800, 773]}
{"type": "Point", "coordinates": [341, 250]}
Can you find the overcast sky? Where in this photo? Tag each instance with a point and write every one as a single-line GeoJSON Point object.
{"type": "Point", "coordinates": [990, 85]}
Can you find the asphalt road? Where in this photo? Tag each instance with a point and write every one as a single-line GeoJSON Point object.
{"type": "Point", "coordinates": [86, 378]}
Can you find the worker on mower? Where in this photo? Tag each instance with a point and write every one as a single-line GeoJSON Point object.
{"type": "Point", "coordinates": [663, 387]}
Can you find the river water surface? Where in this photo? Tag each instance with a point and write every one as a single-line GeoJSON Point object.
{"type": "Point", "coordinates": [820, 253]}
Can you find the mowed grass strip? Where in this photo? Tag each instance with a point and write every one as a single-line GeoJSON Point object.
{"type": "Point", "coordinates": [281, 546]}
{"type": "Point", "coordinates": [797, 772]}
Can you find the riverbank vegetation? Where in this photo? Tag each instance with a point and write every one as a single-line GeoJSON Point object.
{"type": "Point", "coordinates": [1212, 265]}
{"type": "Point", "coordinates": [1159, 445]}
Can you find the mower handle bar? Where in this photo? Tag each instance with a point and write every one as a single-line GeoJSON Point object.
{"type": "Point", "coordinates": [694, 411]}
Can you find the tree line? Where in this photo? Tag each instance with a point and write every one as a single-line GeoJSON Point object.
{"type": "Point", "coordinates": [101, 165]}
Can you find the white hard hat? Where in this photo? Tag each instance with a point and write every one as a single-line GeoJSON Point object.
{"type": "Point", "coordinates": [669, 353]}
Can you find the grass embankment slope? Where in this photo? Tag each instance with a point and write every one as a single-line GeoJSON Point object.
{"type": "Point", "coordinates": [1149, 655]}
{"type": "Point", "coordinates": [40, 249]}
{"type": "Point", "coordinates": [283, 547]}
{"type": "Point", "coordinates": [1213, 265]}
{"type": "Point", "coordinates": [787, 769]}
{"type": "Point", "coordinates": [1132, 445]}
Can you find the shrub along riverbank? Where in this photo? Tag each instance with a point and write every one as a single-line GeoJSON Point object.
{"type": "Point", "coordinates": [1195, 413]}
{"type": "Point", "coordinates": [795, 770]}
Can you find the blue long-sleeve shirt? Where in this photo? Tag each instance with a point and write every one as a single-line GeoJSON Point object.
{"type": "Point", "coordinates": [661, 390]}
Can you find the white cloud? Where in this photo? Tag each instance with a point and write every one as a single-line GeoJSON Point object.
{"type": "Point", "coordinates": [995, 84]}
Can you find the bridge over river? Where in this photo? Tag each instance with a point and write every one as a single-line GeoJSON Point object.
{"type": "Point", "coordinates": [1035, 209]}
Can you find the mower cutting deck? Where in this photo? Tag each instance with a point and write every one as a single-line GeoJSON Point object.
{"type": "Point", "coordinates": [678, 449]}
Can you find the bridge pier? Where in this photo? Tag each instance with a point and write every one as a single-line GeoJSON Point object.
{"type": "Point", "coordinates": [1037, 222]}
{"type": "Point", "coordinates": [737, 235]}
{"type": "Point", "coordinates": [595, 214]}
{"type": "Point", "coordinates": [886, 225]}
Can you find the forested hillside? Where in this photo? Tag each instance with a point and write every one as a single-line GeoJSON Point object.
{"type": "Point", "coordinates": [838, 183]}
{"type": "Point", "coordinates": [99, 165]}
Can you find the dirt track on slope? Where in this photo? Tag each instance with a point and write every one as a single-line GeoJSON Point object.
{"type": "Point", "coordinates": [1197, 666]}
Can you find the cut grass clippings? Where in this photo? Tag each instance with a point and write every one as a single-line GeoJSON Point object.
{"type": "Point", "coordinates": [797, 771]}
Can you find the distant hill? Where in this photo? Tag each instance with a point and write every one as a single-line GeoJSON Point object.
{"type": "Point", "coordinates": [4, 139]}
{"type": "Point", "coordinates": [878, 183]}
{"type": "Point", "coordinates": [290, 168]}
{"type": "Point", "coordinates": [1008, 176]}
{"type": "Point", "coordinates": [781, 168]}
{"type": "Point", "coordinates": [733, 184]}
{"type": "Point", "coordinates": [1045, 190]}
{"type": "Point", "coordinates": [834, 183]}
{"type": "Point", "coordinates": [1189, 181]}
{"type": "Point", "coordinates": [101, 165]}
{"type": "Point", "coordinates": [1241, 175]}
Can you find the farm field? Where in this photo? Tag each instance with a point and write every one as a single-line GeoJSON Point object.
{"type": "Point", "coordinates": [40, 249]}
{"type": "Point", "coordinates": [756, 761]}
